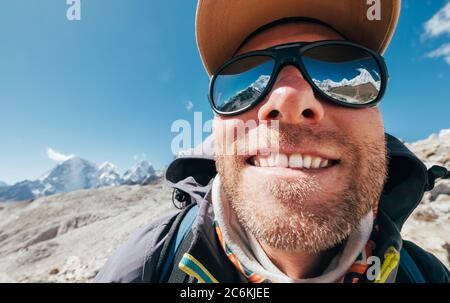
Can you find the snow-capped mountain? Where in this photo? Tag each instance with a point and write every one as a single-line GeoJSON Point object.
{"type": "Point", "coordinates": [76, 173]}
{"type": "Point", "coordinates": [107, 175]}
{"type": "Point", "coordinates": [72, 174]}
{"type": "Point", "coordinates": [3, 184]}
{"type": "Point", "coordinates": [141, 173]}
{"type": "Point", "coordinates": [24, 190]}
{"type": "Point", "coordinates": [261, 83]}
{"type": "Point", "coordinates": [247, 95]}
{"type": "Point", "coordinates": [161, 172]}
{"type": "Point", "coordinates": [364, 77]}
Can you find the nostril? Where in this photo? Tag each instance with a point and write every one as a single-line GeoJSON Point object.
{"type": "Point", "coordinates": [308, 113]}
{"type": "Point", "coordinates": [273, 114]}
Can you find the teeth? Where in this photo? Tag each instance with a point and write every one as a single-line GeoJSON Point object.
{"type": "Point", "coordinates": [295, 161]}
{"type": "Point", "coordinates": [307, 161]}
{"type": "Point", "coordinates": [324, 163]}
{"type": "Point", "coordinates": [316, 162]}
{"type": "Point", "coordinates": [263, 162]}
{"type": "Point", "coordinates": [292, 161]}
{"type": "Point", "coordinates": [271, 160]}
{"type": "Point", "coordinates": [281, 160]}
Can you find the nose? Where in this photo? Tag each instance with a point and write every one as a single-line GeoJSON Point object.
{"type": "Point", "coordinates": [291, 100]}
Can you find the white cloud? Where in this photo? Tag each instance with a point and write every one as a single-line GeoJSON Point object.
{"type": "Point", "coordinates": [142, 156]}
{"type": "Point", "coordinates": [439, 24]}
{"type": "Point", "coordinates": [189, 105]}
{"type": "Point", "coordinates": [441, 52]}
{"type": "Point", "coordinates": [57, 156]}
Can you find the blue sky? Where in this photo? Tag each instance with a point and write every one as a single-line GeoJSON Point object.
{"type": "Point", "coordinates": [108, 87]}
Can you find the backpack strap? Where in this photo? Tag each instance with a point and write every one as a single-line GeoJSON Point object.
{"type": "Point", "coordinates": [177, 242]}
{"type": "Point", "coordinates": [177, 275]}
{"type": "Point", "coordinates": [410, 267]}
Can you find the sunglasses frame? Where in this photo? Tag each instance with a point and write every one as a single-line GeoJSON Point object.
{"type": "Point", "coordinates": [292, 54]}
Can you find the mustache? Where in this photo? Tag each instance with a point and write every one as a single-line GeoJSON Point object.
{"type": "Point", "coordinates": [292, 135]}
{"type": "Point", "coordinates": [285, 136]}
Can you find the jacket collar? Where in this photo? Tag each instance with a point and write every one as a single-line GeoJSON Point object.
{"type": "Point", "coordinates": [205, 259]}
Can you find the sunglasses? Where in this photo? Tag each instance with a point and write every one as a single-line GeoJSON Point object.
{"type": "Point", "coordinates": [340, 72]}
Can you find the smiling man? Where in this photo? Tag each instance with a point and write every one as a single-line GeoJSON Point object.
{"type": "Point", "coordinates": [329, 166]}
{"type": "Point", "coordinates": [314, 190]}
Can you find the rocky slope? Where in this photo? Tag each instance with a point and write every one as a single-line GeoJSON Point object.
{"type": "Point", "coordinates": [68, 237]}
{"type": "Point", "coordinates": [429, 225]}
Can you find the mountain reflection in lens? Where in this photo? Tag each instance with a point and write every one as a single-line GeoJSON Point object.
{"type": "Point", "coordinates": [344, 73]}
{"type": "Point", "coordinates": [242, 82]}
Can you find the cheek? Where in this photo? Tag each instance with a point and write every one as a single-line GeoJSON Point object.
{"type": "Point", "coordinates": [364, 123]}
{"type": "Point", "coordinates": [224, 135]}
{"type": "Point", "coordinates": [227, 131]}
{"type": "Point", "coordinates": [218, 132]}
{"type": "Point", "coordinates": [370, 123]}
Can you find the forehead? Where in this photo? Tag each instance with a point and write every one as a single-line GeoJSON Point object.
{"type": "Point", "coordinates": [291, 32]}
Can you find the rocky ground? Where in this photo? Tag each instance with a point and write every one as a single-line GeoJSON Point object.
{"type": "Point", "coordinates": [68, 237]}
{"type": "Point", "coordinates": [429, 225]}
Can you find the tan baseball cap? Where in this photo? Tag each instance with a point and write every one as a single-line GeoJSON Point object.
{"type": "Point", "coordinates": [222, 25]}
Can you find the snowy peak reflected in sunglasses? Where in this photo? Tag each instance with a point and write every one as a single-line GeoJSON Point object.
{"type": "Point", "coordinates": [340, 72]}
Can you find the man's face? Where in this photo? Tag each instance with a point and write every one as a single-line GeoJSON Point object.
{"type": "Point", "coordinates": [301, 209]}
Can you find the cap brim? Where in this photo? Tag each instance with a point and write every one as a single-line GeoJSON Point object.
{"type": "Point", "coordinates": [222, 25]}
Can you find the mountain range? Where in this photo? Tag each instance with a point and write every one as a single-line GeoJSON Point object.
{"type": "Point", "coordinates": [244, 97]}
{"type": "Point", "coordinates": [363, 87]}
{"type": "Point", "coordinates": [363, 77]}
{"type": "Point", "coordinates": [76, 173]}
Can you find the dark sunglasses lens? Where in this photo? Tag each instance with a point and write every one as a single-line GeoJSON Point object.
{"type": "Point", "coordinates": [241, 83]}
{"type": "Point", "coordinates": [343, 72]}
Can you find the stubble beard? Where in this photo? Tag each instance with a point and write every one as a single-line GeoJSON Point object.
{"type": "Point", "coordinates": [302, 215]}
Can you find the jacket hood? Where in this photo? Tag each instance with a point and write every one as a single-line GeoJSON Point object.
{"type": "Point", "coordinates": [407, 181]}
{"type": "Point", "coordinates": [404, 188]}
